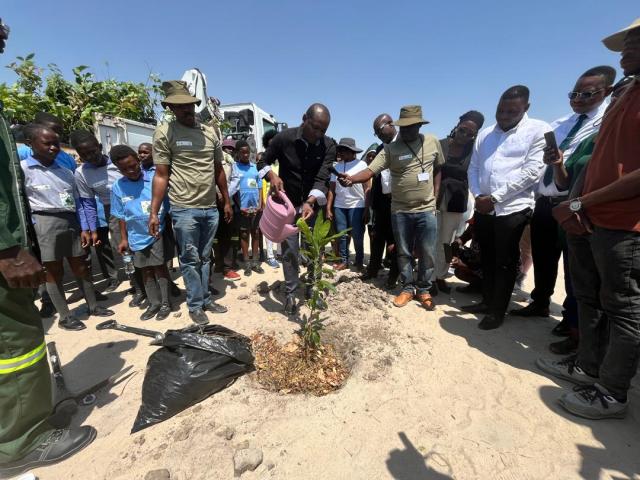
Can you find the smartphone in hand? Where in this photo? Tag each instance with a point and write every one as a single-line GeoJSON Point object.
{"type": "Point", "coordinates": [550, 139]}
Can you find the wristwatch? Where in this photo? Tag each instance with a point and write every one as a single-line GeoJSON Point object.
{"type": "Point", "coordinates": [575, 205]}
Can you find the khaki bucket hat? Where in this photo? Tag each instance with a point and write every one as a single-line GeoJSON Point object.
{"type": "Point", "coordinates": [410, 115]}
{"type": "Point", "coordinates": [615, 42]}
{"type": "Point", "coordinates": [177, 93]}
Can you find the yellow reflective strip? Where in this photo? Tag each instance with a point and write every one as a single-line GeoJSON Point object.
{"type": "Point", "coordinates": [23, 365]}
{"type": "Point", "coordinates": [35, 351]}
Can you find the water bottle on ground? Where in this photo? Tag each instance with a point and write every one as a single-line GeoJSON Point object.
{"type": "Point", "coordinates": [127, 258]}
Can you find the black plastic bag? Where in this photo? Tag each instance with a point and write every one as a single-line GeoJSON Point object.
{"type": "Point", "coordinates": [193, 363]}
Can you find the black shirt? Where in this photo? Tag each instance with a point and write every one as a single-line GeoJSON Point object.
{"type": "Point", "coordinates": [302, 167]}
{"type": "Point", "coordinates": [379, 201]}
{"type": "Point", "coordinates": [454, 180]}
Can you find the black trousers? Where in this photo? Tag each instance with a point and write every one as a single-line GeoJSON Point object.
{"type": "Point", "coordinates": [381, 236]}
{"type": "Point", "coordinates": [223, 246]}
{"type": "Point", "coordinates": [546, 248]}
{"type": "Point", "coordinates": [499, 240]}
{"type": "Point", "coordinates": [605, 270]}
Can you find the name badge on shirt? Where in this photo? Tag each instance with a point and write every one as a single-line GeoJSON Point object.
{"type": "Point", "coordinates": [99, 184]}
{"type": "Point", "coordinates": [145, 205]}
{"type": "Point", "coordinates": [405, 157]}
{"type": "Point", "coordinates": [423, 177]}
{"type": "Point", "coordinates": [41, 187]}
{"type": "Point", "coordinates": [67, 200]}
{"type": "Point", "coordinates": [184, 143]}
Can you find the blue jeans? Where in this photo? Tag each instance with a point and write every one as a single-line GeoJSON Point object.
{"type": "Point", "coordinates": [419, 230]}
{"type": "Point", "coordinates": [350, 218]}
{"type": "Point", "coordinates": [195, 229]}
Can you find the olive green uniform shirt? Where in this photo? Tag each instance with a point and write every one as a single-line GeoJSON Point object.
{"type": "Point", "coordinates": [412, 172]}
{"type": "Point", "coordinates": [191, 153]}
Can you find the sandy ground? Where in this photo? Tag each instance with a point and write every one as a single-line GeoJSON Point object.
{"type": "Point", "coordinates": [430, 397]}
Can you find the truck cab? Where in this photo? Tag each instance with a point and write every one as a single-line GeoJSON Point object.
{"type": "Point", "coordinates": [249, 122]}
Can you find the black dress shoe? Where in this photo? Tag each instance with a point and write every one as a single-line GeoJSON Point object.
{"type": "Point", "coordinates": [175, 290]}
{"type": "Point", "coordinates": [391, 283]}
{"type": "Point", "coordinates": [58, 446]}
{"type": "Point", "coordinates": [475, 308]}
{"type": "Point", "coordinates": [102, 312]}
{"type": "Point", "coordinates": [470, 289]}
{"type": "Point", "coordinates": [532, 310]}
{"type": "Point", "coordinates": [562, 329]}
{"type": "Point", "coordinates": [112, 286]}
{"type": "Point", "coordinates": [150, 312]}
{"type": "Point", "coordinates": [71, 323]}
{"type": "Point", "coordinates": [490, 322]}
{"type": "Point", "coordinates": [443, 286]}
{"type": "Point", "coordinates": [47, 310]}
{"type": "Point", "coordinates": [164, 312]}
{"type": "Point", "coordinates": [199, 317]}
{"type": "Point", "coordinates": [101, 297]}
{"type": "Point", "coordinates": [138, 300]}
{"type": "Point", "coordinates": [564, 347]}
{"type": "Point", "coordinates": [290, 305]}
{"type": "Point", "coordinates": [368, 275]}
{"type": "Point", "coordinates": [214, 307]}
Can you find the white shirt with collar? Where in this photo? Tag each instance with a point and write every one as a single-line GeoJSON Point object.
{"type": "Point", "coordinates": [508, 165]}
{"type": "Point", "coordinates": [561, 127]}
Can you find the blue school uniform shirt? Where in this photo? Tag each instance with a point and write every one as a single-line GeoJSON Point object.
{"type": "Point", "coordinates": [63, 159]}
{"type": "Point", "coordinates": [247, 184]}
{"type": "Point", "coordinates": [131, 202]}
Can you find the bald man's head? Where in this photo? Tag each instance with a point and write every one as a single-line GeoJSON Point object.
{"type": "Point", "coordinates": [383, 128]}
{"type": "Point", "coordinates": [315, 122]}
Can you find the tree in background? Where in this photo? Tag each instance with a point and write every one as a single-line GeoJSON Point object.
{"type": "Point", "coordinates": [75, 101]}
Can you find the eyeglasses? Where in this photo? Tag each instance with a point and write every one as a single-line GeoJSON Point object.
{"type": "Point", "coordinates": [583, 95]}
{"type": "Point", "coordinates": [378, 130]}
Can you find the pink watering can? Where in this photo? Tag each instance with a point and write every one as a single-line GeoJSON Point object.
{"type": "Point", "coordinates": [277, 218]}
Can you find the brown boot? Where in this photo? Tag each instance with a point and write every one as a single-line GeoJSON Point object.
{"type": "Point", "coordinates": [402, 299]}
{"type": "Point", "coordinates": [426, 301]}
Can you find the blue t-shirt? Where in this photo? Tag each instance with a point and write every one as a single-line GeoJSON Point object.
{"type": "Point", "coordinates": [131, 202]}
{"type": "Point", "coordinates": [247, 185]}
{"type": "Point", "coordinates": [63, 159]}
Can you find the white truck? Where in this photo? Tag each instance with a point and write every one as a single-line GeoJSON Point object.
{"type": "Point", "coordinates": [239, 120]}
{"type": "Point", "coordinates": [250, 122]}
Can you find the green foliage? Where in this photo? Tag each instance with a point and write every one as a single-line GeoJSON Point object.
{"type": "Point", "coordinates": [75, 101]}
{"type": "Point", "coordinates": [316, 240]}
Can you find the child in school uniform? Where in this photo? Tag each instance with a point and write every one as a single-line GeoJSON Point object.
{"type": "Point", "coordinates": [130, 204]}
{"type": "Point", "coordinates": [58, 222]}
{"type": "Point", "coordinates": [245, 189]}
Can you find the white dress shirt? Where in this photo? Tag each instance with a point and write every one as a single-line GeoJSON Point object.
{"type": "Point", "coordinates": [508, 165]}
{"type": "Point", "coordinates": [561, 128]}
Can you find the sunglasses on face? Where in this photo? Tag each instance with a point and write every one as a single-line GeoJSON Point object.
{"type": "Point", "coordinates": [583, 95]}
{"type": "Point", "coordinates": [378, 130]}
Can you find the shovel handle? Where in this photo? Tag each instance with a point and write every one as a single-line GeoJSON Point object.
{"type": "Point", "coordinates": [112, 324]}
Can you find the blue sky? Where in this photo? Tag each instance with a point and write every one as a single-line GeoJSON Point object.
{"type": "Point", "coordinates": [359, 58]}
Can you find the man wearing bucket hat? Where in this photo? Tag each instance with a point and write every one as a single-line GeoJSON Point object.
{"type": "Point", "coordinates": [188, 158]}
{"type": "Point", "coordinates": [414, 161]}
{"type": "Point", "coordinates": [603, 226]}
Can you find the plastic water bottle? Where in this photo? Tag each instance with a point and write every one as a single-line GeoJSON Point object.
{"type": "Point", "coordinates": [127, 258]}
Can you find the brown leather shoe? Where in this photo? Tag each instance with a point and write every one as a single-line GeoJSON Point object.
{"type": "Point", "coordinates": [426, 301]}
{"type": "Point", "coordinates": [402, 299]}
